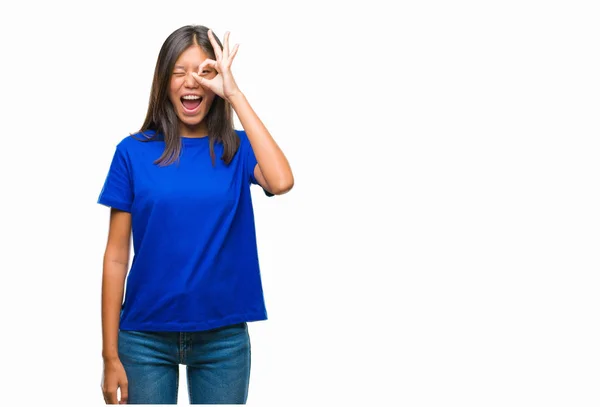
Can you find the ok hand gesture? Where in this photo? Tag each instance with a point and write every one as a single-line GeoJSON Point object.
{"type": "Point", "coordinates": [223, 83]}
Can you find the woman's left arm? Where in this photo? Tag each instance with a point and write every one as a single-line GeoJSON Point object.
{"type": "Point", "coordinates": [273, 170]}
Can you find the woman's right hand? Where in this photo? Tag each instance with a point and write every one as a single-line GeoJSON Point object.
{"type": "Point", "coordinates": [114, 378]}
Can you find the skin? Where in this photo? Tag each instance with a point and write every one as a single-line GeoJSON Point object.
{"type": "Point", "coordinates": [195, 74]}
{"type": "Point", "coordinates": [115, 263]}
{"type": "Point", "coordinates": [183, 82]}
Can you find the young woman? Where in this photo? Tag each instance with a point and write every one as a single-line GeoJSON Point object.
{"type": "Point", "coordinates": [180, 188]}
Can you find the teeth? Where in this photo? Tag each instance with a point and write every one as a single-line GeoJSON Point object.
{"type": "Point", "coordinates": [191, 97]}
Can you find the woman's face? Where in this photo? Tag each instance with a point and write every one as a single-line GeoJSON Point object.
{"type": "Point", "coordinates": [190, 100]}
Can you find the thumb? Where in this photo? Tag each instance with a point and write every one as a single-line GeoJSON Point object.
{"type": "Point", "coordinates": [124, 393]}
{"type": "Point", "coordinates": [201, 80]}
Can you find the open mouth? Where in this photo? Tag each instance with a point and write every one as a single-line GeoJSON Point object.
{"type": "Point", "coordinates": [191, 103]}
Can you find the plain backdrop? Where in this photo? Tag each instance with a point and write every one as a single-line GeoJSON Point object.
{"type": "Point", "coordinates": [440, 246]}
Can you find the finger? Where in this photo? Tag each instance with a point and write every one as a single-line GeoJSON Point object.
{"type": "Point", "coordinates": [124, 393]}
{"type": "Point", "coordinates": [198, 78]}
{"type": "Point", "coordinates": [215, 44]}
{"type": "Point", "coordinates": [110, 397]}
{"type": "Point", "coordinates": [233, 53]}
{"type": "Point", "coordinates": [202, 81]}
{"type": "Point", "coordinates": [208, 63]}
{"type": "Point", "coordinates": [226, 45]}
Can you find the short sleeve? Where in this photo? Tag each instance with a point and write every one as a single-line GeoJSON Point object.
{"type": "Point", "coordinates": [250, 160]}
{"type": "Point", "coordinates": [117, 191]}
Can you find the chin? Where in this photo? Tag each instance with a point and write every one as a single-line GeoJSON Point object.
{"type": "Point", "coordinates": [191, 120]}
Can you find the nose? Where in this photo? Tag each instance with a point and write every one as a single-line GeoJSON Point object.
{"type": "Point", "coordinates": [189, 81]}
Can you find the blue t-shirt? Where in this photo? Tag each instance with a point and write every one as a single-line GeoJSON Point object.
{"type": "Point", "coordinates": [195, 263]}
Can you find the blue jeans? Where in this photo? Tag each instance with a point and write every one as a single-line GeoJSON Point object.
{"type": "Point", "coordinates": [217, 360]}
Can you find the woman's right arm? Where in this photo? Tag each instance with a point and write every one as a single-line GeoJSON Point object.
{"type": "Point", "coordinates": [115, 267]}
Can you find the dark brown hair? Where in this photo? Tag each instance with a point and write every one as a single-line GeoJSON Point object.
{"type": "Point", "coordinates": [161, 116]}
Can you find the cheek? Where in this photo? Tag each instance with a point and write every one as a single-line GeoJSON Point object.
{"type": "Point", "coordinates": [173, 88]}
{"type": "Point", "coordinates": [210, 98]}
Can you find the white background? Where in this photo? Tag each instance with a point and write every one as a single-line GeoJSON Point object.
{"type": "Point", "coordinates": [440, 246]}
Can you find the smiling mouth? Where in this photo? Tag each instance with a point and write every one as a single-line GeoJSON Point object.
{"type": "Point", "coordinates": [191, 102]}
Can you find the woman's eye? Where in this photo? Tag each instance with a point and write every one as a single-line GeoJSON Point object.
{"type": "Point", "coordinates": [178, 73]}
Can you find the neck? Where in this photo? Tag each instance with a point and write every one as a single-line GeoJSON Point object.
{"type": "Point", "coordinates": [197, 131]}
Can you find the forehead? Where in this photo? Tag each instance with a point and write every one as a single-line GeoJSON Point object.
{"type": "Point", "coordinates": [194, 55]}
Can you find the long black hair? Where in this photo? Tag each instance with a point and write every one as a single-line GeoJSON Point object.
{"type": "Point", "coordinates": [161, 116]}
